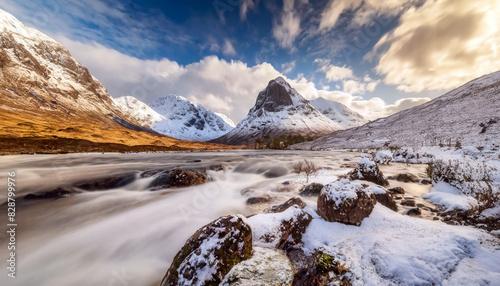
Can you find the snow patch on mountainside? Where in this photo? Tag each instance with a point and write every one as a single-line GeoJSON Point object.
{"type": "Point", "coordinates": [338, 113]}
{"type": "Point", "coordinates": [139, 110]}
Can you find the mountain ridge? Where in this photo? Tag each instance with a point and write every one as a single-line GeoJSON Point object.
{"type": "Point", "coordinates": [469, 114]}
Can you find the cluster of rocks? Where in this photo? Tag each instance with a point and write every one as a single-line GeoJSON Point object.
{"type": "Point", "coordinates": [277, 233]}
{"type": "Point", "coordinates": [173, 178]}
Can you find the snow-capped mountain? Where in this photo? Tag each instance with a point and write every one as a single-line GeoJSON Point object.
{"type": "Point", "coordinates": [279, 111]}
{"type": "Point", "coordinates": [338, 112]}
{"type": "Point", "coordinates": [469, 114]}
{"type": "Point", "coordinates": [186, 120]}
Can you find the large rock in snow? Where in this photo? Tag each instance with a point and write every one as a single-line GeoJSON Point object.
{"type": "Point", "coordinates": [368, 170]}
{"type": "Point", "coordinates": [384, 197]}
{"type": "Point", "coordinates": [279, 111]}
{"type": "Point", "coordinates": [211, 252]}
{"type": "Point", "coordinates": [346, 202]}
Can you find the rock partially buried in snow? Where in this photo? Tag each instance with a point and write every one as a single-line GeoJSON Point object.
{"type": "Point", "coordinates": [284, 206]}
{"type": "Point", "coordinates": [345, 202]}
{"type": "Point", "coordinates": [266, 267]}
{"type": "Point", "coordinates": [211, 252]}
{"type": "Point", "coordinates": [279, 230]}
{"type": "Point", "coordinates": [397, 190]}
{"type": "Point", "coordinates": [384, 197]}
{"type": "Point", "coordinates": [405, 178]}
{"type": "Point", "coordinates": [368, 170]}
{"type": "Point", "coordinates": [311, 190]}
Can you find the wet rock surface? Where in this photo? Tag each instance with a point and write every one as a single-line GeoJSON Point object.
{"type": "Point", "coordinates": [178, 178]}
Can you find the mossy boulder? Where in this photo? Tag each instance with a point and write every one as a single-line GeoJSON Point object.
{"type": "Point", "coordinates": [211, 252]}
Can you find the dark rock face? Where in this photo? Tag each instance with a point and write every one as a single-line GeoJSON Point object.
{"type": "Point", "coordinates": [285, 232]}
{"type": "Point", "coordinates": [408, 202]}
{"type": "Point", "coordinates": [368, 170]}
{"type": "Point", "coordinates": [317, 269]}
{"type": "Point", "coordinates": [259, 200]}
{"type": "Point", "coordinates": [284, 206]}
{"type": "Point", "coordinates": [414, 211]}
{"type": "Point", "coordinates": [397, 190]}
{"type": "Point", "coordinates": [345, 202]}
{"type": "Point", "coordinates": [311, 190]}
{"type": "Point", "coordinates": [387, 200]}
{"type": "Point", "coordinates": [273, 98]}
{"type": "Point", "coordinates": [211, 253]}
{"type": "Point", "coordinates": [405, 178]}
{"type": "Point", "coordinates": [178, 179]}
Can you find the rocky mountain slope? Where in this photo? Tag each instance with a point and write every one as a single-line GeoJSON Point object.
{"type": "Point", "coordinates": [279, 111]}
{"type": "Point", "coordinates": [338, 112]}
{"type": "Point", "coordinates": [189, 120]}
{"type": "Point", "coordinates": [469, 114]}
{"type": "Point", "coordinates": [49, 102]}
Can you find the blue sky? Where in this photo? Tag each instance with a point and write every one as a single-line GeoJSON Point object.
{"type": "Point", "coordinates": [366, 54]}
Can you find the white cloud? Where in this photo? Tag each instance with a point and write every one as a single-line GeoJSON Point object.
{"type": "Point", "coordinates": [246, 5]}
{"type": "Point", "coordinates": [228, 49]}
{"type": "Point", "coordinates": [287, 67]}
{"type": "Point", "coordinates": [441, 45]}
{"type": "Point", "coordinates": [287, 28]}
{"type": "Point", "coordinates": [364, 11]}
{"type": "Point", "coordinates": [351, 84]}
{"type": "Point", "coordinates": [229, 87]}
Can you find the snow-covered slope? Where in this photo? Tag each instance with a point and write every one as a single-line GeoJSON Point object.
{"type": "Point", "coordinates": [338, 112]}
{"type": "Point", "coordinates": [278, 111]}
{"type": "Point", "coordinates": [139, 110]}
{"type": "Point", "coordinates": [469, 114]}
{"type": "Point", "coordinates": [187, 120]}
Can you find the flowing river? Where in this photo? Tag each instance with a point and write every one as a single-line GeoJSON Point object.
{"type": "Point", "coordinates": [129, 235]}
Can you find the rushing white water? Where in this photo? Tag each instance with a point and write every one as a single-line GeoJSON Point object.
{"type": "Point", "coordinates": [129, 235]}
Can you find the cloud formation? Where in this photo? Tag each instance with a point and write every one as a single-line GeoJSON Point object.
{"type": "Point", "coordinates": [287, 27]}
{"type": "Point", "coordinates": [457, 42]}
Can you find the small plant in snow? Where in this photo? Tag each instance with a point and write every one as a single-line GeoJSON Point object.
{"type": "Point", "coordinates": [306, 167]}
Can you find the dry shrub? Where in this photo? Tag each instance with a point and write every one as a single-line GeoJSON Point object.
{"type": "Point", "coordinates": [306, 167]}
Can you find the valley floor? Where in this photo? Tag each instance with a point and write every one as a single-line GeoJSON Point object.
{"type": "Point", "coordinates": [132, 233]}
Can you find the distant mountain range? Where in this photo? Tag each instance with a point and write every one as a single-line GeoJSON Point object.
{"type": "Point", "coordinates": [469, 114]}
{"type": "Point", "coordinates": [49, 102]}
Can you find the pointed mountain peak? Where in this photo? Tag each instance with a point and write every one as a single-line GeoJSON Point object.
{"type": "Point", "coordinates": [277, 96]}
